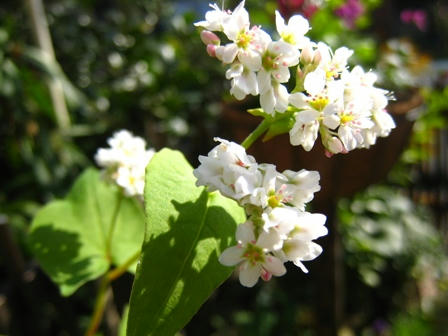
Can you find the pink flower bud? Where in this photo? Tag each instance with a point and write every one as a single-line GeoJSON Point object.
{"type": "Point", "coordinates": [211, 50]}
{"type": "Point", "coordinates": [334, 146]}
{"type": "Point", "coordinates": [317, 58]}
{"type": "Point", "coordinates": [209, 38]}
{"type": "Point", "coordinates": [307, 55]}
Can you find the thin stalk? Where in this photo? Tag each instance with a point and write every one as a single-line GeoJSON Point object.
{"type": "Point", "coordinates": [112, 225]}
{"type": "Point", "coordinates": [39, 27]}
{"type": "Point", "coordinates": [102, 296]}
{"type": "Point", "coordinates": [118, 271]}
{"type": "Point", "coordinates": [261, 128]}
{"type": "Point", "coordinates": [100, 304]}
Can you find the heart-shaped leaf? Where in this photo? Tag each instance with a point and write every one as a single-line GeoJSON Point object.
{"type": "Point", "coordinates": [68, 237]}
{"type": "Point", "coordinates": [186, 230]}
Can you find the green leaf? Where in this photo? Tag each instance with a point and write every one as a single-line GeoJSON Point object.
{"type": "Point", "coordinates": [186, 230]}
{"type": "Point", "coordinates": [68, 237]}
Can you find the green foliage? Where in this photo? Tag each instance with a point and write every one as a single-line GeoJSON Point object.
{"type": "Point", "coordinates": [70, 237]}
{"type": "Point", "coordinates": [432, 119]}
{"type": "Point", "coordinates": [187, 228]}
{"type": "Point", "coordinates": [381, 226]}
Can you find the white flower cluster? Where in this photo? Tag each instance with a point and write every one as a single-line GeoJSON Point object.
{"type": "Point", "coordinates": [125, 161]}
{"type": "Point", "coordinates": [278, 228]}
{"type": "Point", "coordinates": [342, 105]}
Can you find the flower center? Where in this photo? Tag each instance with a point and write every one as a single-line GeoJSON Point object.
{"type": "Point", "coordinates": [269, 61]}
{"type": "Point", "coordinates": [289, 38]}
{"type": "Point", "coordinates": [243, 40]}
{"type": "Point", "coordinates": [345, 118]}
{"type": "Point", "coordinates": [318, 103]}
{"type": "Point", "coordinates": [253, 254]}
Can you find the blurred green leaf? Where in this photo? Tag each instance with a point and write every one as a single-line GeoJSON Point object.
{"type": "Point", "coordinates": [187, 228]}
{"type": "Point", "coordinates": [68, 236]}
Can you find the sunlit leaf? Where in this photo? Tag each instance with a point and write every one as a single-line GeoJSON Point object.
{"type": "Point", "coordinates": [187, 228]}
{"type": "Point", "coordinates": [68, 237]}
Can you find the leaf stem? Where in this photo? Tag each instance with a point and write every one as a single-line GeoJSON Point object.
{"type": "Point", "coordinates": [261, 128]}
{"type": "Point", "coordinates": [118, 271]}
{"type": "Point", "coordinates": [102, 296]}
{"type": "Point", "coordinates": [100, 304]}
{"type": "Point", "coordinates": [112, 225]}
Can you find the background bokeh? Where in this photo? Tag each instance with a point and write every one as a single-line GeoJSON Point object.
{"type": "Point", "coordinates": [140, 65]}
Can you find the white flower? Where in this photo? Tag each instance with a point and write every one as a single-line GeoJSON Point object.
{"type": "Point", "coordinates": [276, 60]}
{"type": "Point", "coordinates": [246, 44]}
{"type": "Point", "coordinates": [298, 246]}
{"type": "Point", "coordinates": [333, 64]}
{"type": "Point", "coordinates": [229, 169]}
{"type": "Point", "coordinates": [125, 161]}
{"type": "Point", "coordinates": [305, 130]}
{"type": "Point", "coordinates": [299, 187]}
{"type": "Point", "coordinates": [293, 33]}
{"type": "Point", "coordinates": [244, 81]}
{"type": "Point", "coordinates": [214, 19]}
{"type": "Point", "coordinates": [253, 255]}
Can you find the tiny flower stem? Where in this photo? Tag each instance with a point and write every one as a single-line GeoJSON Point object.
{"type": "Point", "coordinates": [261, 128]}
{"type": "Point", "coordinates": [102, 296]}
{"type": "Point", "coordinates": [113, 224]}
{"type": "Point", "coordinates": [117, 272]}
{"type": "Point", "coordinates": [100, 304]}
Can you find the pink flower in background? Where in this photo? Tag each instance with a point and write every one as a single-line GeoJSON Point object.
{"type": "Point", "coordinates": [417, 17]}
{"type": "Point", "coordinates": [350, 12]}
{"type": "Point", "coordinates": [289, 7]}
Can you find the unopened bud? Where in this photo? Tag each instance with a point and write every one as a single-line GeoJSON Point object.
{"type": "Point", "coordinates": [211, 50]}
{"type": "Point", "coordinates": [317, 58]}
{"type": "Point", "coordinates": [209, 38]}
{"type": "Point", "coordinates": [335, 146]}
{"type": "Point", "coordinates": [306, 56]}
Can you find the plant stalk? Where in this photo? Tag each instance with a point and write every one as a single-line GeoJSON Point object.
{"type": "Point", "coordinates": [113, 225]}
{"type": "Point", "coordinates": [102, 296]}
{"type": "Point", "coordinates": [39, 27]}
{"type": "Point", "coordinates": [252, 137]}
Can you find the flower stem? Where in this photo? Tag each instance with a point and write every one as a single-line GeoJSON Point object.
{"type": "Point", "coordinates": [102, 296]}
{"type": "Point", "coordinates": [117, 272]}
{"type": "Point", "coordinates": [261, 128]}
{"type": "Point", "coordinates": [113, 224]}
{"type": "Point", "coordinates": [100, 304]}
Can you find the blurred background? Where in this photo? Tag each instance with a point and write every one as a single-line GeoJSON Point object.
{"type": "Point", "coordinates": [140, 65]}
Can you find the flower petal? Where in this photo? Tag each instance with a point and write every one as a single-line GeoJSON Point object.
{"type": "Point", "coordinates": [274, 265]}
{"type": "Point", "coordinates": [231, 256]}
{"type": "Point", "coordinates": [249, 274]}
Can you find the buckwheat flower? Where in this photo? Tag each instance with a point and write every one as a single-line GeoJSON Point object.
{"type": "Point", "coordinates": [229, 169]}
{"type": "Point", "coordinates": [246, 44]}
{"type": "Point", "coordinates": [276, 60]}
{"type": "Point", "coordinates": [280, 219]}
{"type": "Point", "coordinates": [333, 63]}
{"type": "Point", "coordinates": [293, 32]}
{"type": "Point", "coordinates": [243, 81]}
{"type": "Point", "coordinates": [214, 19]}
{"type": "Point", "coordinates": [252, 255]}
{"type": "Point", "coordinates": [305, 131]}
{"type": "Point", "coordinates": [124, 149]}
{"type": "Point", "coordinates": [131, 179]}
{"type": "Point", "coordinates": [299, 245]}
{"type": "Point", "coordinates": [125, 161]}
{"type": "Point", "coordinates": [353, 119]}
{"type": "Point", "coordinates": [318, 106]}
{"type": "Point", "coordinates": [299, 187]}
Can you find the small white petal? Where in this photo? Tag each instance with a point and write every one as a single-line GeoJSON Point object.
{"type": "Point", "coordinates": [245, 233]}
{"type": "Point", "coordinates": [231, 256]}
{"type": "Point", "coordinates": [274, 265]}
{"type": "Point", "coordinates": [249, 274]}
